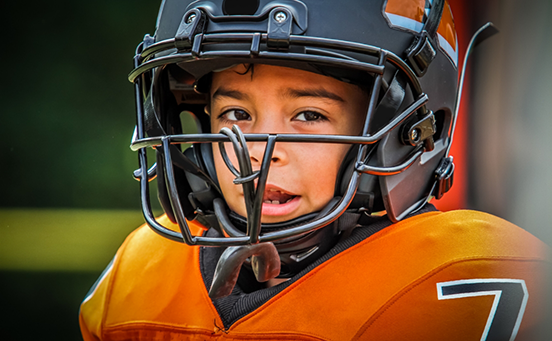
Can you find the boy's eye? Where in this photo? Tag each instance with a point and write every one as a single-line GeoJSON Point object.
{"type": "Point", "coordinates": [309, 116]}
{"type": "Point", "coordinates": [236, 115]}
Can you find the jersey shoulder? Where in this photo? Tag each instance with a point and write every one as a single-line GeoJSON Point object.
{"type": "Point", "coordinates": [468, 233]}
{"type": "Point", "coordinates": [148, 286]}
{"type": "Point", "coordinates": [476, 276]}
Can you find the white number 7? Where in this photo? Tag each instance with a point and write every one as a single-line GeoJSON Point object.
{"type": "Point", "coordinates": [506, 313]}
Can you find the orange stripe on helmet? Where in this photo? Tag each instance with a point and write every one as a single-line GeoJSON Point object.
{"type": "Point", "coordinates": [446, 27]}
{"type": "Point", "coordinates": [412, 9]}
{"type": "Point", "coordinates": [409, 15]}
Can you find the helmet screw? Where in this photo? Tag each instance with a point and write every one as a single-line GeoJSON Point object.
{"type": "Point", "coordinates": [191, 18]}
{"type": "Point", "coordinates": [414, 135]}
{"type": "Point", "coordinates": [280, 17]}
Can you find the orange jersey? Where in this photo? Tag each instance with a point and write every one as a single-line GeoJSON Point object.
{"type": "Point", "coordinates": [460, 275]}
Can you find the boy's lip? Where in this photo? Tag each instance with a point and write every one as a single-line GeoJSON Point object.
{"type": "Point", "coordinates": [271, 201]}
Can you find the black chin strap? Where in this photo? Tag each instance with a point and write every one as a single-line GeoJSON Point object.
{"type": "Point", "coordinates": [423, 49]}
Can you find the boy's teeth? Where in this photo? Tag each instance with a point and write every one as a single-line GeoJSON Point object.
{"type": "Point", "coordinates": [274, 202]}
{"type": "Point", "coordinates": [281, 198]}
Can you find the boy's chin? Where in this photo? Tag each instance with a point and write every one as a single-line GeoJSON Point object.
{"type": "Point", "coordinates": [277, 219]}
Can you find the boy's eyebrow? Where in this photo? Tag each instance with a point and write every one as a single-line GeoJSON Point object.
{"type": "Point", "coordinates": [235, 94]}
{"type": "Point", "coordinates": [318, 92]}
{"type": "Point", "coordinates": [295, 93]}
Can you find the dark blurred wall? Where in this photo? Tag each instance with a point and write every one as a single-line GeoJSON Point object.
{"type": "Point", "coordinates": [511, 116]}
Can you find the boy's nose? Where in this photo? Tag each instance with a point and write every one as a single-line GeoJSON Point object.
{"type": "Point", "coordinates": [257, 150]}
{"type": "Point", "coordinates": [255, 159]}
{"type": "Point", "coordinates": [269, 123]}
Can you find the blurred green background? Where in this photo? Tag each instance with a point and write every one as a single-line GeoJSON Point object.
{"type": "Point", "coordinates": [67, 108]}
{"type": "Point", "coordinates": [67, 114]}
{"type": "Point", "coordinates": [67, 195]}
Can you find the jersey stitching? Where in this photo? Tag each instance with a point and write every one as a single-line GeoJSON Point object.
{"type": "Point", "coordinates": [139, 325]}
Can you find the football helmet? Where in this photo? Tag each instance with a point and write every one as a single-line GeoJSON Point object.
{"type": "Point", "coordinates": [404, 54]}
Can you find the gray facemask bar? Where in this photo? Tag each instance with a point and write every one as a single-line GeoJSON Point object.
{"type": "Point", "coordinates": [253, 236]}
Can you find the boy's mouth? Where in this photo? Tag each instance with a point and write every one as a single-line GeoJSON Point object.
{"type": "Point", "coordinates": [279, 203]}
{"type": "Point", "coordinates": [275, 196]}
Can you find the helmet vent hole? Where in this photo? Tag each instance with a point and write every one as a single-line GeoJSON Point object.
{"type": "Point", "coordinates": [240, 7]}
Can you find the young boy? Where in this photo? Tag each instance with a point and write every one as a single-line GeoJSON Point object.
{"type": "Point", "coordinates": [323, 131]}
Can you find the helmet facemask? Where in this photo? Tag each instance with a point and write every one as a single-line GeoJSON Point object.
{"type": "Point", "coordinates": [390, 165]}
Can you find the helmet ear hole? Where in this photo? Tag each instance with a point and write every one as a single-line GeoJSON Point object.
{"type": "Point", "coordinates": [442, 124]}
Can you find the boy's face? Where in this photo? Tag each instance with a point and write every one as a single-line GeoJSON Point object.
{"type": "Point", "coordinates": [276, 99]}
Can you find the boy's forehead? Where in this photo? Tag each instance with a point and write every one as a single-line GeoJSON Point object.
{"type": "Point", "coordinates": [288, 82]}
